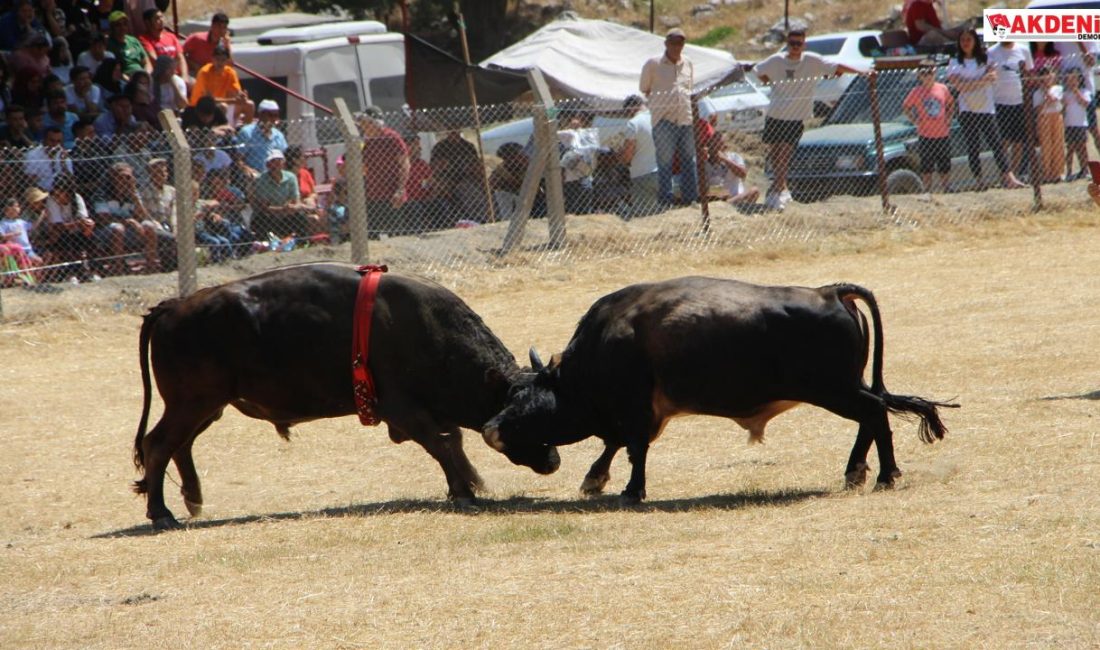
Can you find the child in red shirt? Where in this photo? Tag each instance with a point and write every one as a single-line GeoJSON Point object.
{"type": "Point", "coordinates": [930, 107]}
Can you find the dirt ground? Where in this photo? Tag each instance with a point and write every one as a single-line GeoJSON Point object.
{"type": "Point", "coordinates": [341, 539]}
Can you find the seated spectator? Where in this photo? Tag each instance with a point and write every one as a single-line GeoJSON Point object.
{"type": "Point", "coordinates": [122, 223]}
{"type": "Point", "coordinates": [456, 167]}
{"type": "Point", "coordinates": [276, 207]}
{"type": "Point", "coordinates": [126, 48]}
{"type": "Point", "coordinates": [307, 186]}
{"type": "Point", "coordinates": [16, 132]}
{"type": "Point", "coordinates": [70, 231]}
{"type": "Point", "coordinates": [204, 145]}
{"type": "Point", "coordinates": [82, 96]}
{"type": "Point", "coordinates": [96, 53]}
{"type": "Point", "coordinates": [58, 115]}
{"type": "Point", "coordinates": [219, 80]}
{"type": "Point", "coordinates": [336, 212]}
{"type": "Point", "coordinates": [15, 238]}
{"type": "Point", "coordinates": [19, 24]}
{"type": "Point", "coordinates": [32, 54]}
{"type": "Point", "coordinates": [90, 156]}
{"type": "Point", "coordinates": [108, 76]}
{"type": "Point", "coordinates": [119, 118]}
{"type": "Point", "coordinates": [35, 124]}
{"type": "Point", "coordinates": [27, 90]}
{"type": "Point", "coordinates": [259, 138]}
{"type": "Point", "coordinates": [61, 60]}
{"type": "Point", "coordinates": [635, 148]}
{"type": "Point", "coordinates": [386, 174]}
{"type": "Point", "coordinates": [424, 209]}
{"type": "Point", "coordinates": [218, 218]}
{"type": "Point", "coordinates": [924, 27]}
{"type": "Point", "coordinates": [158, 41]}
{"type": "Point", "coordinates": [142, 106]}
{"type": "Point", "coordinates": [506, 181]}
{"type": "Point", "coordinates": [159, 199]}
{"type": "Point", "coordinates": [49, 159]}
{"type": "Point", "coordinates": [578, 162]}
{"type": "Point", "coordinates": [206, 114]}
{"type": "Point", "coordinates": [169, 89]}
{"type": "Point", "coordinates": [726, 172]}
{"type": "Point", "coordinates": [199, 47]}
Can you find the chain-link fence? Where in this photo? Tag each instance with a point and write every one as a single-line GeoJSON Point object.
{"type": "Point", "coordinates": [545, 183]}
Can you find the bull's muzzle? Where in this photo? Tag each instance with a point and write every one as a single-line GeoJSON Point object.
{"type": "Point", "coordinates": [492, 437]}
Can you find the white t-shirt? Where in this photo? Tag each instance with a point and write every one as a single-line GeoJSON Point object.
{"type": "Point", "coordinates": [88, 61]}
{"type": "Point", "coordinates": [719, 174]}
{"type": "Point", "coordinates": [95, 97]}
{"type": "Point", "coordinates": [1073, 58]}
{"type": "Point", "coordinates": [57, 213]}
{"type": "Point", "coordinates": [975, 101]}
{"type": "Point", "coordinates": [1008, 90]}
{"type": "Point", "coordinates": [1076, 114]}
{"type": "Point", "coordinates": [640, 130]}
{"type": "Point", "coordinates": [19, 228]}
{"type": "Point", "coordinates": [1055, 92]}
{"type": "Point", "coordinates": [793, 83]}
{"type": "Point", "coordinates": [167, 99]}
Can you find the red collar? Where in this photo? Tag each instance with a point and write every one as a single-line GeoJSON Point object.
{"type": "Point", "coordinates": [361, 377]}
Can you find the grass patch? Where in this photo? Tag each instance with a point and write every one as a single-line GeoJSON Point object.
{"type": "Point", "coordinates": [517, 533]}
{"type": "Point", "coordinates": [715, 36]}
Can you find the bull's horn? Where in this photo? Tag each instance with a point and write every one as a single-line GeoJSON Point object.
{"type": "Point", "coordinates": [492, 438]}
{"type": "Point", "coordinates": [536, 363]}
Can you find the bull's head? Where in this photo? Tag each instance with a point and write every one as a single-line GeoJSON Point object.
{"type": "Point", "coordinates": [532, 422]}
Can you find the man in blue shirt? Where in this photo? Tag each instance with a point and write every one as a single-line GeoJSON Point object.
{"type": "Point", "coordinates": [259, 138]}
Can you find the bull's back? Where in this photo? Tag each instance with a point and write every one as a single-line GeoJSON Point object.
{"type": "Point", "coordinates": [718, 346]}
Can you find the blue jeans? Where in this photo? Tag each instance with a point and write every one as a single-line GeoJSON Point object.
{"type": "Point", "coordinates": [671, 139]}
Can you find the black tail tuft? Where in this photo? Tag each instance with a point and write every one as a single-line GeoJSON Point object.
{"type": "Point", "coordinates": [931, 426]}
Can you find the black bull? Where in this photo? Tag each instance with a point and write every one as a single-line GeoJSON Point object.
{"type": "Point", "coordinates": [706, 346]}
{"type": "Point", "coordinates": [278, 347]}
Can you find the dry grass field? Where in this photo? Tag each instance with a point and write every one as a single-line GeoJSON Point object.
{"type": "Point", "coordinates": [341, 539]}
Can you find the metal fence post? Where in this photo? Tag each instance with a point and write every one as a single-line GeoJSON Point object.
{"type": "Point", "coordinates": [356, 186]}
{"type": "Point", "coordinates": [187, 270]}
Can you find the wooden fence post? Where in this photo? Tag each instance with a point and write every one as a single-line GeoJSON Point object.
{"type": "Point", "coordinates": [356, 186]}
{"type": "Point", "coordinates": [187, 270]}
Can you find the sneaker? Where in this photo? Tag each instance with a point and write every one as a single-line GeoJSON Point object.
{"type": "Point", "coordinates": [773, 202]}
{"type": "Point", "coordinates": [785, 197]}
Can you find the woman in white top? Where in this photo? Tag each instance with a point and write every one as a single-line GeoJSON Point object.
{"type": "Point", "coordinates": [1077, 100]}
{"type": "Point", "coordinates": [972, 76]}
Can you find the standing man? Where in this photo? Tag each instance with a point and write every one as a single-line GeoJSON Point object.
{"type": "Point", "coordinates": [793, 74]}
{"type": "Point", "coordinates": [1012, 64]}
{"type": "Point", "coordinates": [386, 171]}
{"type": "Point", "coordinates": [667, 82]}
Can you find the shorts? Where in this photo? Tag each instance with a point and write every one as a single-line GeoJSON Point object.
{"type": "Point", "coordinates": [935, 154]}
{"type": "Point", "coordinates": [1091, 112]}
{"type": "Point", "coordinates": [780, 131]}
{"type": "Point", "coordinates": [1010, 122]}
{"type": "Point", "coordinates": [1076, 134]}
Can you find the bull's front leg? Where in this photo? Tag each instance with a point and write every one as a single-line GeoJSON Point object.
{"type": "Point", "coordinates": [600, 472]}
{"type": "Point", "coordinates": [635, 489]}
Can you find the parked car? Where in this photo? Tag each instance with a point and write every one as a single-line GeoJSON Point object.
{"type": "Point", "coordinates": [853, 49]}
{"type": "Point", "coordinates": [839, 157]}
{"type": "Point", "coordinates": [740, 107]}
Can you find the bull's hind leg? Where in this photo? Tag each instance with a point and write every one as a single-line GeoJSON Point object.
{"type": "Point", "coordinates": [600, 472]}
{"type": "Point", "coordinates": [191, 487]}
{"type": "Point", "coordinates": [874, 426]}
{"type": "Point", "coordinates": [174, 432]}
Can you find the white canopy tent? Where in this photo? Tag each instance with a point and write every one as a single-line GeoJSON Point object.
{"type": "Point", "coordinates": [600, 62]}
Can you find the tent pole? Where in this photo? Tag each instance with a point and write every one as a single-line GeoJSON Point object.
{"type": "Point", "coordinates": [477, 114]}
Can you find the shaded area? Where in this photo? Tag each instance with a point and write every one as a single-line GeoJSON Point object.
{"type": "Point", "coordinates": [512, 505]}
{"type": "Point", "coordinates": [1093, 396]}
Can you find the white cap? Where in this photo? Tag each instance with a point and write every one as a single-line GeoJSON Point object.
{"type": "Point", "coordinates": [274, 154]}
{"type": "Point", "coordinates": [267, 105]}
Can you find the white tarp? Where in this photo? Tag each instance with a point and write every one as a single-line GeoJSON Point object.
{"type": "Point", "coordinates": [601, 61]}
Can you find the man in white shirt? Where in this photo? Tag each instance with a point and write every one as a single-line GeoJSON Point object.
{"type": "Point", "coordinates": [633, 145]}
{"type": "Point", "coordinates": [1012, 63]}
{"type": "Point", "coordinates": [49, 159]}
{"type": "Point", "coordinates": [793, 74]}
{"type": "Point", "coordinates": [667, 83]}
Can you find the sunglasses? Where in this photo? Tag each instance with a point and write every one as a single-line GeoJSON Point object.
{"type": "Point", "coordinates": [796, 43]}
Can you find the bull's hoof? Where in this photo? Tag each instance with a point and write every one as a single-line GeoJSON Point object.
{"type": "Point", "coordinates": [630, 500]}
{"type": "Point", "coordinates": [594, 485]}
{"type": "Point", "coordinates": [464, 503]}
{"type": "Point", "coordinates": [856, 478]}
{"type": "Point", "coordinates": [193, 509]}
{"type": "Point", "coordinates": [887, 482]}
{"type": "Point", "coordinates": [167, 522]}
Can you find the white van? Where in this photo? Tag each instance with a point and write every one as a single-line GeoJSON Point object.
{"type": "Point", "coordinates": [359, 61]}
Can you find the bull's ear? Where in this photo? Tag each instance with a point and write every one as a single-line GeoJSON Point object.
{"type": "Point", "coordinates": [555, 361]}
{"type": "Point", "coordinates": [536, 362]}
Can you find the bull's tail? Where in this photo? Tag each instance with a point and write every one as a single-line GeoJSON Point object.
{"type": "Point", "coordinates": [931, 426]}
{"type": "Point", "coordinates": [146, 384]}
